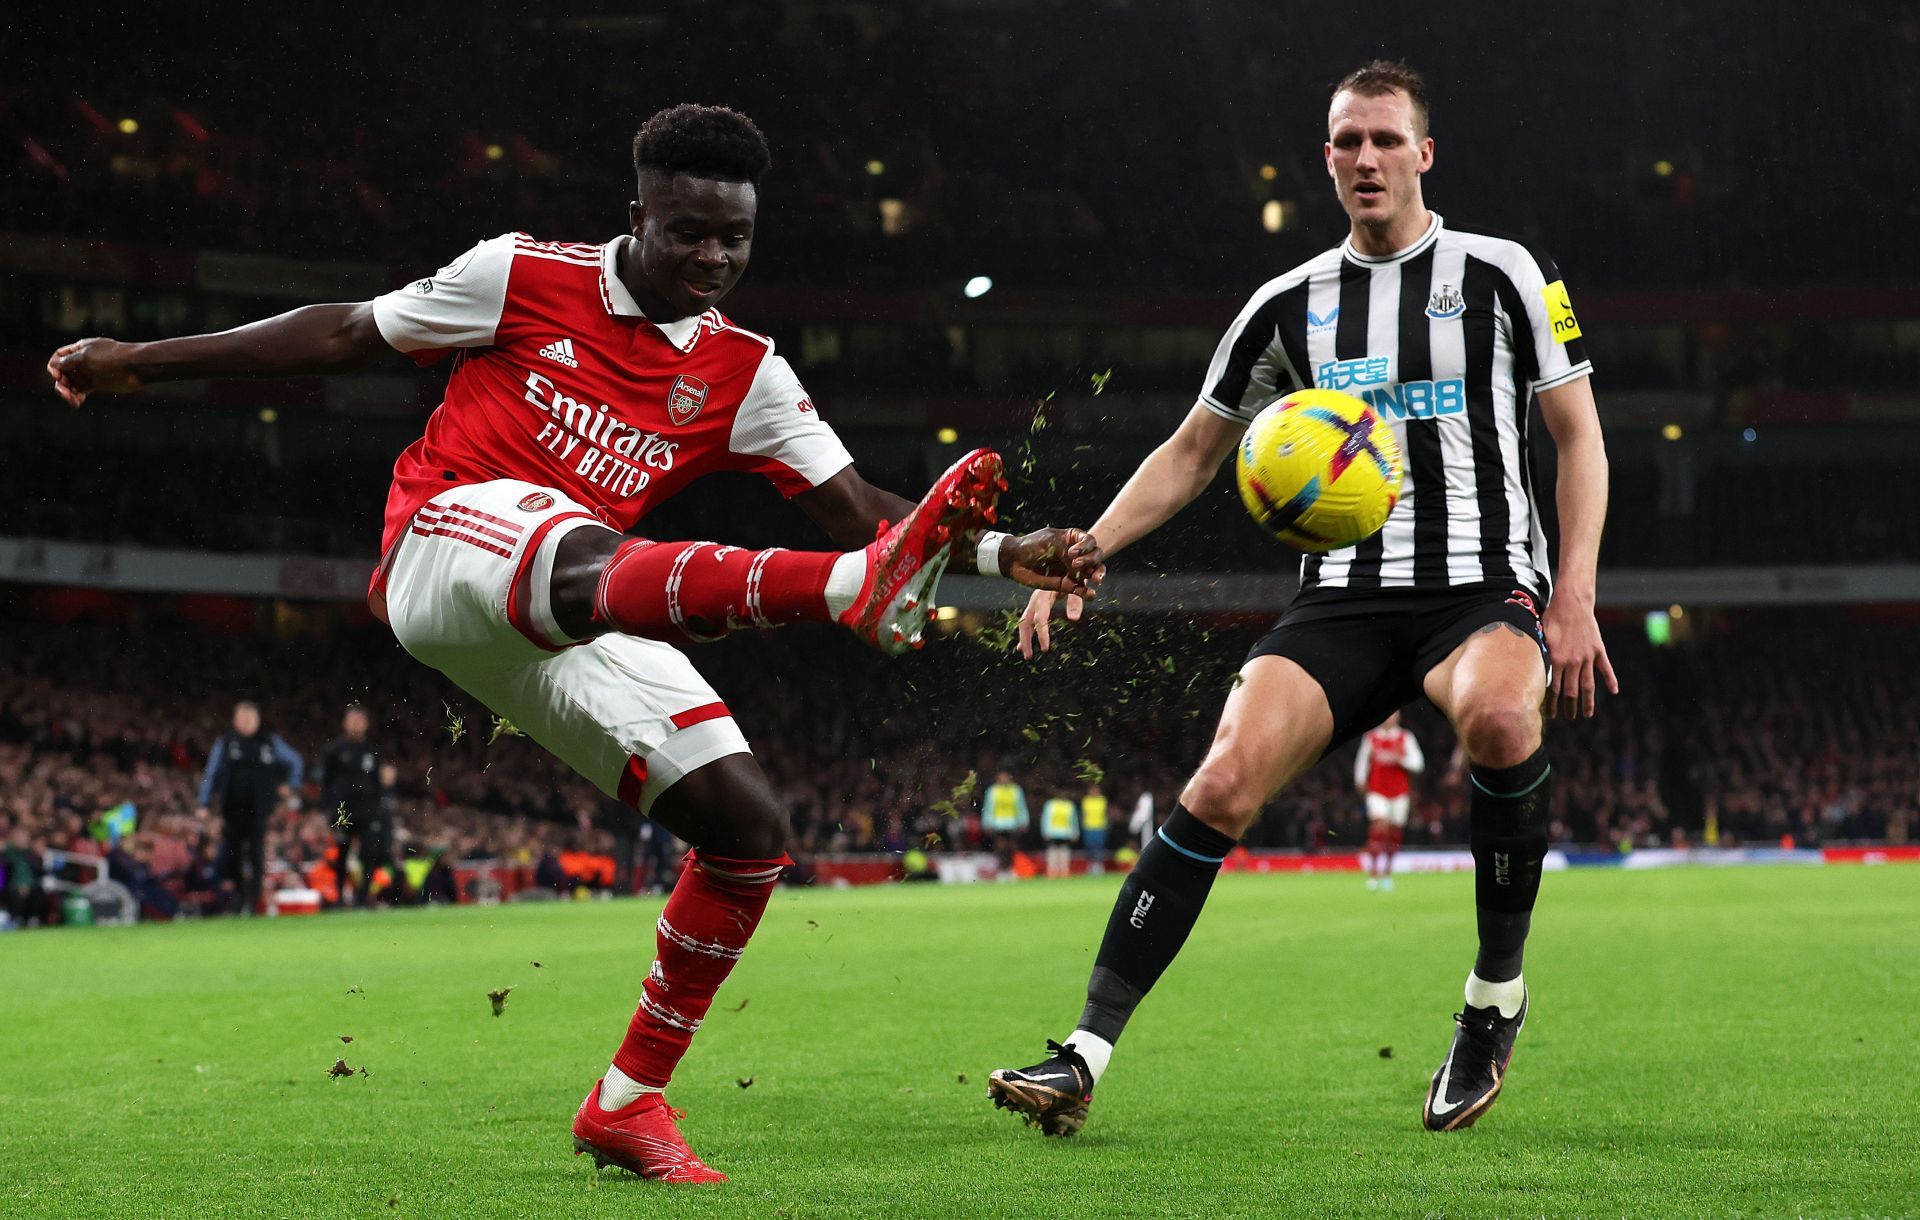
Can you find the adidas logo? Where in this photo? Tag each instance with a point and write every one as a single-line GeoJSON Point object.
{"type": "Point", "coordinates": [561, 350]}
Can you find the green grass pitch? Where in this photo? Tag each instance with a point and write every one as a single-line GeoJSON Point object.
{"type": "Point", "coordinates": [1703, 1042]}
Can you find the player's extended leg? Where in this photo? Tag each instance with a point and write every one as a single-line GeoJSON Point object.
{"type": "Point", "coordinates": [1491, 687]}
{"type": "Point", "coordinates": [1275, 725]}
{"type": "Point", "coordinates": [728, 810]}
{"type": "Point", "coordinates": [683, 592]}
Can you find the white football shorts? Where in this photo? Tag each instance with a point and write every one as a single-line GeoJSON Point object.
{"type": "Point", "coordinates": [469, 592]}
{"type": "Point", "coordinates": [1389, 809]}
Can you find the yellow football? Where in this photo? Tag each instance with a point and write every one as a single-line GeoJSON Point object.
{"type": "Point", "coordinates": [1319, 470]}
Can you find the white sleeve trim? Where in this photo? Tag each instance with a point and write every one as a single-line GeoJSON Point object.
{"type": "Point", "coordinates": [1583, 369]}
{"type": "Point", "coordinates": [1237, 416]}
{"type": "Point", "coordinates": [457, 306]}
{"type": "Point", "coordinates": [777, 421]}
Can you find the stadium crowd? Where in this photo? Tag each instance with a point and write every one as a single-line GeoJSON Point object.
{"type": "Point", "coordinates": [104, 730]}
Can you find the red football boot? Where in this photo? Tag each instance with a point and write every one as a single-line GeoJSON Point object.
{"type": "Point", "coordinates": [904, 563]}
{"type": "Point", "coordinates": [640, 1139]}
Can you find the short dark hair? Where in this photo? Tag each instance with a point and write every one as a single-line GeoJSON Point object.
{"type": "Point", "coordinates": [1383, 76]}
{"type": "Point", "coordinates": [703, 141]}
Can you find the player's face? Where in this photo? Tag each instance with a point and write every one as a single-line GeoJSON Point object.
{"type": "Point", "coordinates": [355, 723]}
{"type": "Point", "coordinates": [1376, 156]}
{"type": "Point", "coordinates": [695, 236]}
{"type": "Point", "coordinates": [246, 720]}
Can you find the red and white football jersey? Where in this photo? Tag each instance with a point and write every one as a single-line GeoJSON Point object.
{"type": "Point", "coordinates": [1387, 761]}
{"type": "Point", "coordinates": [563, 382]}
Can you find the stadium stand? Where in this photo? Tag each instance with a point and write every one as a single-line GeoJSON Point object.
{"type": "Point", "coordinates": [883, 180]}
{"type": "Point", "coordinates": [1705, 746]}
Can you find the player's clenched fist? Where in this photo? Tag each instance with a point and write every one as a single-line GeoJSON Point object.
{"type": "Point", "coordinates": [93, 365]}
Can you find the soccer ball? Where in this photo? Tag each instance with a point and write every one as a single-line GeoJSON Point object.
{"type": "Point", "coordinates": [1319, 470]}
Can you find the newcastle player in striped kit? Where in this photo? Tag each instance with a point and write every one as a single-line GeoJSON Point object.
{"type": "Point", "coordinates": [1450, 333]}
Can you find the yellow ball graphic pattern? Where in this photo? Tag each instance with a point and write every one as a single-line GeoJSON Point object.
{"type": "Point", "coordinates": [1319, 470]}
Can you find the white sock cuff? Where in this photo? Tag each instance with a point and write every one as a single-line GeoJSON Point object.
{"type": "Point", "coordinates": [1097, 1051]}
{"type": "Point", "coordinates": [619, 1090]}
{"type": "Point", "coordinates": [1507, 996]}
{"type": "Point", "coordinates": [845, 581]}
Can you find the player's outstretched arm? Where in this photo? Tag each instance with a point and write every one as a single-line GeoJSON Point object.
{"type": "Point", "coordinates": [851, 509]}
{"type": "Point", "coordinates": [1579, 655]}
{"type": "Point", "coordinates": [311, 340]}
{"type": "Point", "coordinates": [1169, 480]}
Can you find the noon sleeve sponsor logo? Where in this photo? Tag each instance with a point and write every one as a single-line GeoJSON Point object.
{"type": "Point", "coordinates": [1560, 312]}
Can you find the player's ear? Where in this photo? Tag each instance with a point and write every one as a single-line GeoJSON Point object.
{"type": "Point", "coordinates": [1326, 151]}
{"type": "Point", "coordinates": [1426, 154]}
{"type": "Point", "coordinates": [636, 216]}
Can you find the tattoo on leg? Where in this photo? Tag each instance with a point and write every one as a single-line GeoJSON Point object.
{"type": "Point", "coordinates": [1490, 628]}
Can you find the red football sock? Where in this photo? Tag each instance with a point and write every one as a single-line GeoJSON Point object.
{"type": "Point", "coordinates": [679, 591]}
{"type": "Point", "coordinates": [708, 921]}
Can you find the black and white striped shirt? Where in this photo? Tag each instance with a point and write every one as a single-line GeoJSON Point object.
{"type": "Point", "coordinates": [1448, 340]}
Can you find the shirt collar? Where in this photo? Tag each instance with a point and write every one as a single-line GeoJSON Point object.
{"type": "Point", "coordinates": [1424, 241]}
{"type": "Point", "coordinates": [620, 302]}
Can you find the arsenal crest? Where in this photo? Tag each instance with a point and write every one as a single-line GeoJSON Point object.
{"type": "Point", "coordinates": [685, 399]}
{"type": "Point", "coordinates": [536, 502]}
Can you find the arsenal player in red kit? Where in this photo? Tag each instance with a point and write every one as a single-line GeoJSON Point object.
{"type": "Point", "coordinates": [590, 383]}
{"type": "Point", "coordinates": [1383, 771]}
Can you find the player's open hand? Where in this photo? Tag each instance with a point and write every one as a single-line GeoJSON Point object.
{"type": "Point", "coordinates": [89, 366]}
{"type": "Point", "coordinates": [1034, 628]}
{"type": "Point", "coordinates": [1579, 659]}
{"type": "Point", "coordinates": [1057, 560]}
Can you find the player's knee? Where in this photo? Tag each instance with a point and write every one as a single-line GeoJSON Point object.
{"type": "Point", "coordinates": [1501, 732]}
{"type": "Point", "coordinates": [1220, 794]}
{"type": "Point", "coordinates": [762, 833]}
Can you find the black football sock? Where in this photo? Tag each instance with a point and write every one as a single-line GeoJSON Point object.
{"type": "Point", "coordinates": [1156, 909]}
{"type": "Point", "coordinates": [1508, 834]}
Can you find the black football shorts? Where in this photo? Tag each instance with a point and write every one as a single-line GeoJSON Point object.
{"type": "Point", "coordinates": [1370, 649]}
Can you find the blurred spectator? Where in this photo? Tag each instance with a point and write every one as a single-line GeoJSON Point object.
{"type": "Point", "coordinates": [1059, 828]}
{"type": "Point", "coordinates": [1702, 747]}
{"type": "Point", "coordinates": [1093, 828]}
{"type": "Point", "coordinates": [1003, 814]}
{"type": "Point", "coordinates": [352, 779]}
{"type": "Point", "coordinates": [248, 773]}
